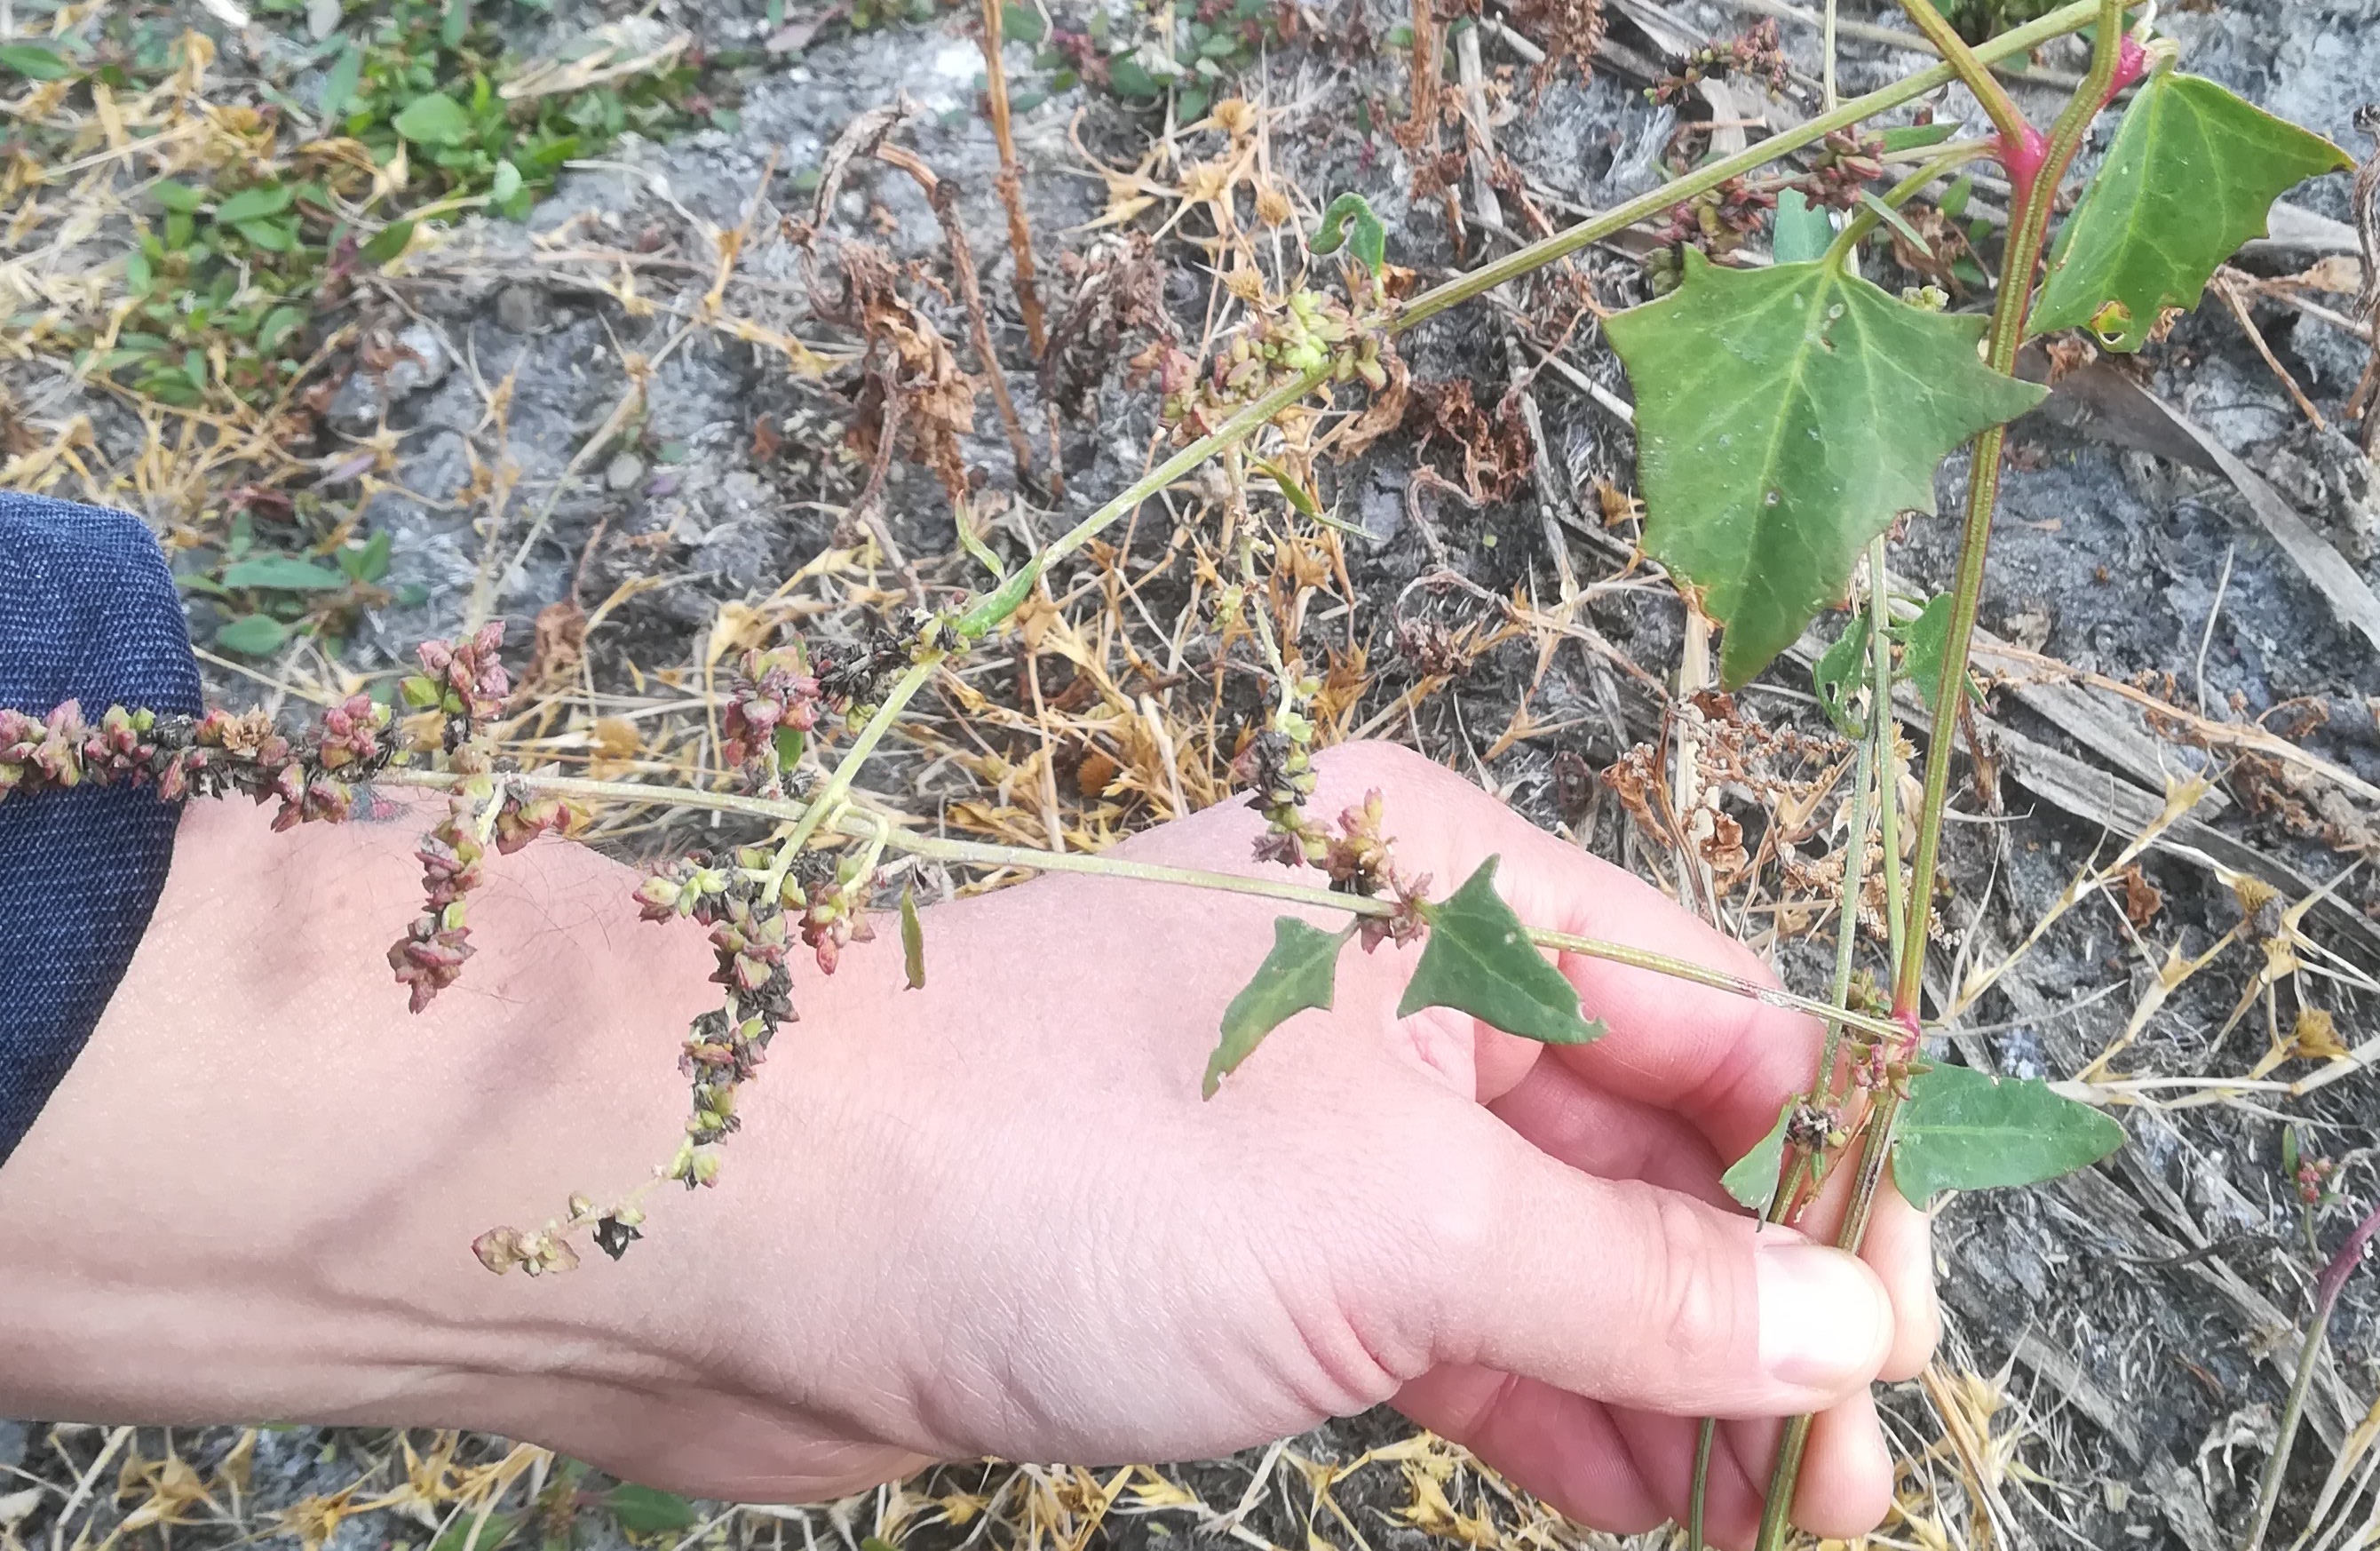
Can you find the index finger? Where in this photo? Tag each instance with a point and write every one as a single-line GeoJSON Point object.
{"type": "Point", "coordinates": [1725, 1062]}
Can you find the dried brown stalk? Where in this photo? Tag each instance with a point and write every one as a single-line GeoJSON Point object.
{"type": "Point", "coordinates": [1011, 181]}
{"type": "Point", "coordinates": [938, 195]}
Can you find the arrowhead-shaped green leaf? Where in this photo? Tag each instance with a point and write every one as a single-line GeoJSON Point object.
{"type": "Point", "coordinates": [1297, 974]}
{"type": "Point", "coordinates": [1783, 417]}
{"type": "Point", "coordinates": [1479, 960]}
{"type": "Point", "coordinates": [2191, 176]}
{"type": "Point", "coordinates": [1753, 1180]}
{"type": "Point", "coordinates": [1961, 1130]}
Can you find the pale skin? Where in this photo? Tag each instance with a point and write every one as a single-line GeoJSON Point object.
{"type": "Point", "coordinates": [989, 1218]}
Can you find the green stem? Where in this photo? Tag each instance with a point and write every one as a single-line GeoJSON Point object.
{"type": "Point", "coordinates": [2027, 230]}
{"type": "Point", "coordinates": [2006, 117]}
{"type": "Point", "coordinates": [994, 607]}
{"type": "Point", "coordinates": [1866, 220]}
{"type": "Point", "coordinates": [979, 854]}
{"type": "Point", "coordinates": [1545, 250]}
{"type": "Point", "coordinates": [824, 806]}
{"type": "Point", "coordinates": [1888, 726]}
{"type": "Point", "coordinates": [2277, 1467]}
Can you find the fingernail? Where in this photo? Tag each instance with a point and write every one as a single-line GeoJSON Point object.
{"type": "Point", "coordinates": [1823, 1324]}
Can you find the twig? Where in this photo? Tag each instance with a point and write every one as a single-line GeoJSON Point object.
{"type": "Point", "coordinates": [2256, 337]}
{"type": "Point", "coordinates": [938, 195]}
{"type": "Point", "coordinates": [2206, 636]}
{"type": "Point", "coordinates": [1011, 182]}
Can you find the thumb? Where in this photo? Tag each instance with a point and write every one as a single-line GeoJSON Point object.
{"type": "Point", "coordinates": [1642, 1297]}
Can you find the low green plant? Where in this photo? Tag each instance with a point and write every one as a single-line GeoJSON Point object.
{"type": "Point", "coordinates": [1786, 416]}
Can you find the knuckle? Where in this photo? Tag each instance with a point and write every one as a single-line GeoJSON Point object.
{"type": "Point", "coordinates": [1699, 1301]}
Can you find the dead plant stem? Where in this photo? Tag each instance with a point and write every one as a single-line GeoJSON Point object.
{"type": "Point", "coordinates": [1011, 182]}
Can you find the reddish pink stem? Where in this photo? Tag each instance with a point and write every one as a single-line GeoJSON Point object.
{"type": "Point", "coordinates": [2023, 159]}
{"type": "Point", "coordinates": [2131, 63]}
{"type": "Point", "coordinates": [2342, 1265]}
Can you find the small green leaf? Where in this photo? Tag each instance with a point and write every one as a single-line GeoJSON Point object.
{"type": "Point", "coordinates": [253, 204]}
{"type": "Point", "coordinates": [790, 742]}
{"type": "Point", "coordinates": [254, 635]}
{"type": "Point", "coordinates": [455, 24]}
{"type": "Point", "coordinates": [35, 61]}
{"type": "Point", "coordinates": [1922, 641]}
{"type": "Point", "coordinates": [1753, 1181]}
{"type": "Point", "coordinates": [138, 275]}
{"type": "Point", "coordinates": [433, 119]}
{"type": "Point", "coordinates": [1478, 959]}
{"type": "Point", "coordinates": [420, 692]}
{"type": "Point", "coordinates": [178, 196]}
{"type": "Point", "coordinates": [283, 573]}
{"type": "Point", "coordinates": [1784, 416]}
{"type": "Point", "coordinates": [1960, 1130]}
{"type": "Point", "coordinates": [913, 941]}
{"type": "Point", "coordinates": [1915, 137]}
{"type": "Point", "coordinates": [278, 325]}
{"type": "Point", "coordinates": [469, 1533]}
{"type": "Point", "coordinates": [1839, 675]}
{"type": "Point", "coordinates": [1291, 487]}
{"type": "Point", "coordinates": [1130, 78]}
{"type": "Point", "coordinates": [1350, 220]}
{"type": "Point", "coordinates": [1021, 23]}
{"type": "Point", "coordinates": [369, 561]}
{"type": "Point", "coordinates": [1191, 106]}
{"type": "Point", "coordinates": [1896, 220]}
{"type": "Point", "coordinates": [389, 243]}
{"type": "Point", "coordinates": [505, 183]}
{"type": "Point", "coordinates": [1804, 232]}
{"type": "Point", "coordinates": [273, 237]}
{"type": "Point", "coordinates": [1297, 974]}
{"type": "Point", "coordinates": [339, 85]}
{"type": "Point", "coordinates": [647, 1510]}
{"type": "Point", "coordinates": [1953, 202]}
{"type": "Point", "coordinates": [2192, 175]}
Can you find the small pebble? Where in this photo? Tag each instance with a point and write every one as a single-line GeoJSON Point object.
{"type": "Point", "coordinates": [323, 18]}
{"type": "Point", "coordinates": [624, 471]}
{"type": "Point", "coordinates": [519, 309]}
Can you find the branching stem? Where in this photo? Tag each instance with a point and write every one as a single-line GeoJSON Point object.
{"type": "Point", "coordinates": [1545, 250]}
{"type": "Point", "coordinates": [864, 825]}
{"type": "Point", "coordinates": [2028, 231]}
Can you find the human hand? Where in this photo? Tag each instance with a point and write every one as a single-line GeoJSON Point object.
{"type": "Point", "coordinates": [991, 1216]}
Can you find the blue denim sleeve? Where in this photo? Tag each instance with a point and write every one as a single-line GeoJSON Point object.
{"type": "Point", "coordinates": [88, 612]}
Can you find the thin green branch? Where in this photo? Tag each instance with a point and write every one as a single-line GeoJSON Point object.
{"type": "Point", "coordinates": [2028, 233]}
{"type": "Point", "coordinates": [2006, 117]}
{"type": "Point", "coordinates": [1545, 250]}
{"type": "Point", "coordinates": [825, 804]}
{"type": "Point", "coordinates": [1887, 726]}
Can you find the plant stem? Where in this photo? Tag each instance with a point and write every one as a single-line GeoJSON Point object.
{"type": "Point", "coordinates": [979, 854]}
{"type": "Point", "coordinates": [1543, 251]}
{"type": "Point", "coordinates": [994, 607]}
{"type": "Point", "coordinates": [1010, 182]}
{"type": "Point", "coordinates": [2028, 230]}
{"type": "Point", "coordinates": [1896, 902]}
{"type": "Point", "coordinates": [2006, 117]}
{"type": "Point", "coordinates": [2327, 1288]}
{"type": "Point", "coordinates": [828, 799]}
